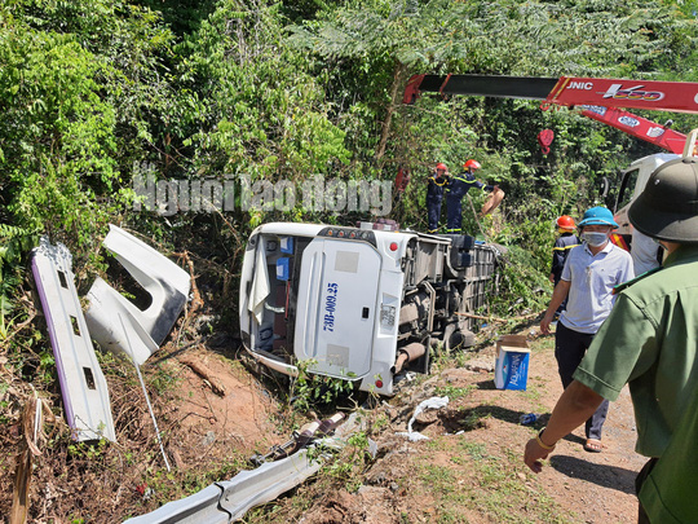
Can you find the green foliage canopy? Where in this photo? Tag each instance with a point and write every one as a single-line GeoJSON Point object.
{"type": "Point", "coordinates": [274, 90]}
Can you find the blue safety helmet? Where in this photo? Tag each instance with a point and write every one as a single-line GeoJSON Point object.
{"type": "Point", "coordinates": [598, 216]}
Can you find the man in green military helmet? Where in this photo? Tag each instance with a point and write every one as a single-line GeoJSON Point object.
{"type": "Point", "coordinates": [649, 341]}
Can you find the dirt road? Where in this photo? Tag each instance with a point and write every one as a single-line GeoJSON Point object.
{"type": "Point", "coordinates": [598, 487]}
{"type": "Point", "coordinates": [471, 469]}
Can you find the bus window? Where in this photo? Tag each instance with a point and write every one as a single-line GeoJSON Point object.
{"type": "Point", "coordinates": [625, 194]}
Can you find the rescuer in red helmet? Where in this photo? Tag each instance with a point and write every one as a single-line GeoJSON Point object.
{"type": "Point", "coordinates": [457, 188]}
{"type": "Point", "coordinates": [566, 241]}
{"type": "Point", "coordinates": [436, 183]}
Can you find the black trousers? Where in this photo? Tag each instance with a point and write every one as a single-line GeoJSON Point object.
{"type": "Point", "coordinates": [570, 347]}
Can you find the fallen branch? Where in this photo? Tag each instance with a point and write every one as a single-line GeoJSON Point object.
{"type": "Point", "coordinates": [497, 319]}
{"type": "Point", "coordinates": [196, 301]}
{"type": "Point", "coordinates": [204, 373]}
{"type": "Point", "coordinates": [31, 425]}
{"type": "Point", "coordinates": [20, 496]}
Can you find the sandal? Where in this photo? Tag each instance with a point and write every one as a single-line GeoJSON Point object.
{"type": "Point", "coordinates": [593, 446]}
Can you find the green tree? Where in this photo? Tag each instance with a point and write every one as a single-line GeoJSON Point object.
{"type": "Point", "coordinates": [374, 45]}
{"type": "Point", "coordinates": [79, 83]}
{"type": "Point", "coordinates": [259, 111]}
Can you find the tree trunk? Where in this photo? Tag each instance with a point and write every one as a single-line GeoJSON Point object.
{"type": "Point", "coordinates": [395, 95]}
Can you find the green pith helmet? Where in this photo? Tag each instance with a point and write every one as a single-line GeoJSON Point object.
{"type": "Point", "coordinates": [668, 207]}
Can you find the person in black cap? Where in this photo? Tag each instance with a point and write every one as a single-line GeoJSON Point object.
{"type": "Point", "coordinates": [650, 342]}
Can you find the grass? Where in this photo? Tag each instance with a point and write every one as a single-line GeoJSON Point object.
{"type": "Point", "coordinates": [164, 378]}
{"type": "Point", "coordinates": [483, 478]}
{"type": "Point", "coordinates": [536, 383]}
{"type": "Point", "coordinates": [4, 404]}
{"type": "Point", "coordinates": [453, 392]}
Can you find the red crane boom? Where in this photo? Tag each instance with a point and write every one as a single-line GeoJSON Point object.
{"type": "Point", "coordinates": [601, 99]}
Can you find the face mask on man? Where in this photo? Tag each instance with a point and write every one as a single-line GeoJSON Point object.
{"type": "Point", "coordinates": [595, 238]}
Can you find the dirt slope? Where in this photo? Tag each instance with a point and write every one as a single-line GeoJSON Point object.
{"type": "Point", "coordinates": [213, 414]}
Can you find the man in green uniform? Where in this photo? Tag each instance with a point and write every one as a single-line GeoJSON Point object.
{"type": "Point", "coordinates": [650, 341]}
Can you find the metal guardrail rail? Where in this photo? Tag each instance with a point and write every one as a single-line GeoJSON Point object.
{"type": "Point", "coordinates": [227, 501]}
{"type": "Point", "coordinates": [224, 502]}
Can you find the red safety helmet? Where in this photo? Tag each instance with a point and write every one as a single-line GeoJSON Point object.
{"type": "Point", "coordinates": [472, 164]}
{"type": "Point", "coordinates": [565, 222]}
{"type": "Point", "coordinates": [441, 166]}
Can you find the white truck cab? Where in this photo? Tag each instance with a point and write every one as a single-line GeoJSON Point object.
{"type": "Point", "coordinates": [356, 303]}
{"type": "Point", "coordinates": [633, 182]}
{"type": "Point", "coordinates": [645, 252]}
{"type": "Point", "coordinates": [635, 177]}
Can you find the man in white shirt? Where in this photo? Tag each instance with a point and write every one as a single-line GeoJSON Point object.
{"type": "Point", "coordinates": [645, 252]}
{"type": "Point", "coordinates": [591, 272]}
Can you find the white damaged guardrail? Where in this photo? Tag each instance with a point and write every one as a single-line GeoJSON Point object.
{"type": "Point", "coordinates": [224, 502]}
{"type": "Point", "coordinates": [83, 386]}
{"type": "Point", "coordinates": [227, 501]}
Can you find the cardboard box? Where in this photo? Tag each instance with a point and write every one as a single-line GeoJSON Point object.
{"type": "Point", "coordinates": [511, 367]}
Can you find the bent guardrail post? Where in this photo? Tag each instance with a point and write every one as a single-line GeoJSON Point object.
{"type": "Point", "coordinates": [83, 387]}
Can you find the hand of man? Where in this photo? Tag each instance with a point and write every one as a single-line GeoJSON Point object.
{"type": "Point", "coordinates": [545, 325]}
{"type": "Point", "coordinates": [533, 454]}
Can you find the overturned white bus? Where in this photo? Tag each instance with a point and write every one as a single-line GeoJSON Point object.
{"type": "Point", "coordinates": [361, 304]}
